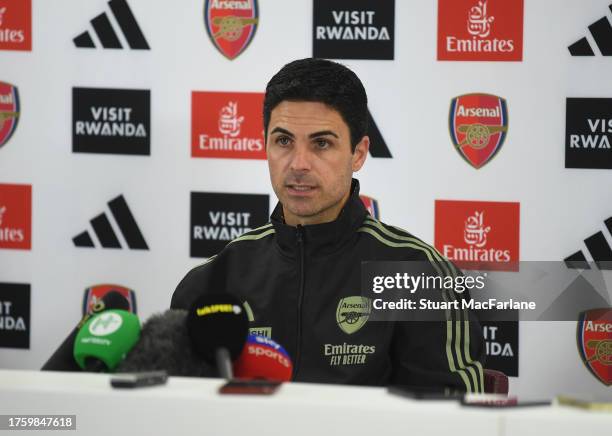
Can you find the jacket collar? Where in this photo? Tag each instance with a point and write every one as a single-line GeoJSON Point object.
{"type": "Point", "coordinates": [321, 239]}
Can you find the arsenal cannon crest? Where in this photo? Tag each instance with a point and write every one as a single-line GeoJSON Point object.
{"type": "Point", "coordinates": [478, 126]}
{"type": "Point", "coordinates": [352, 313]}
{"type": "Point", "coordinates": [595, 342]}
{"type": "Point", "coordinates": [231, 24]}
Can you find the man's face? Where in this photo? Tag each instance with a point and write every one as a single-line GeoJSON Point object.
{"type": "Point", "coordinates": [310, 160]}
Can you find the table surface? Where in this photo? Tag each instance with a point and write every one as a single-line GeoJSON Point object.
{"type": "Point", "coordinates": [193, 406]}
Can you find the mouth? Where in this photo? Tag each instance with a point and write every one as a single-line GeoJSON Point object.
{"type": "Point", "coordinates": [300, 189]}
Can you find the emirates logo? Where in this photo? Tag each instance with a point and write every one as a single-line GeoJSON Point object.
{"type": "Point", "coordinates": [229, 121]}
{"type": "Point", "coordinates": [478, 23]}
{"type": "Point", "coordinates": [475, 232]}
{"type": "Point", "coordinates": [463, 234]}
{"type": "Point", "coordinates": [15, 216]}
{"type": "Point", "coordinates": [480, 30]}
{"type": "Point", "coordinates": [227, 125]}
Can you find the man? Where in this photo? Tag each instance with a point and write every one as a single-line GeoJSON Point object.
{"type": "Point", "coordinates": [299, 275]}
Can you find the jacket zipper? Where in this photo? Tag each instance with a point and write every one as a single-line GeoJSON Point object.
{"type": "Point", "coordinates": [300, 243]}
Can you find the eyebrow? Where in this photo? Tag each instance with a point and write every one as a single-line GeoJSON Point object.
{"type": "Point", "coordinates": [283, 131]}
{"type": "Point", "coordinates": [323, 133]}
{"type": "Point", "coordinates": [311, 136]}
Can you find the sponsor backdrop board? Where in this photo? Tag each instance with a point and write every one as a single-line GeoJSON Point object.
{"type": "Point", "coordinates": [131, 147]}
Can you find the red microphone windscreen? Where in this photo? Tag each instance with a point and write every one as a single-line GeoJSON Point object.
{"type": "Point", "coordinates": [263, 358]}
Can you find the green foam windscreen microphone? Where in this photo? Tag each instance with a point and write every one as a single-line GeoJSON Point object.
{"type": "Point", "coordinates": [105, 339]}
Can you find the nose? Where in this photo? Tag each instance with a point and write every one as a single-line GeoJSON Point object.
{"type": "Point", "coordinates": [301, 159]}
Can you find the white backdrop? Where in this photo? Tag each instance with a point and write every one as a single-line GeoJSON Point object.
{"type": "Point", "coordinates": [409, 99]}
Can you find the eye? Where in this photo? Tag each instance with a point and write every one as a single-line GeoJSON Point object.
{"type": "Point", "coordinates": [283, 140]}
{"type": "Point", "coordinates": [322, 143]}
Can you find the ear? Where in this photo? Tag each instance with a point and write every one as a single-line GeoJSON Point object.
{"type": "Point", "coordinates": [361, 153]}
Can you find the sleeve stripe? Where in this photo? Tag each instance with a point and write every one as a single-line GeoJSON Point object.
{"type": "Point", "coordinates": [253, 237]}
{"type": "Point", "coordinates": [449, 352]}
{"type": "Point", "coordinates": [479, 378]}
{"type": "Point", "coordinates": [210, 259]}
{"type": "Point", "coordinates": [453, 328]}
{"type": "Point", "coordinates": [249, 311]}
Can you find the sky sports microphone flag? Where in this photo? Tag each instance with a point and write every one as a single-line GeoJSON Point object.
{"type": "Point", "coordinates": [105, 339]}
{"type": "Point", "coordinates": [63, 358]}
{"type": "Point", "coordinates": [218, 328]}
{"type": "Point", "coordinates": [263, 358]}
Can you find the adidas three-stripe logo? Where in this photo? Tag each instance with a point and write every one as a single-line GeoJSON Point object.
{"type": "Point", "coordinates": [601, 31]}
{"type": "Point", "coordinates": [107, 35]}
{"type": "Point", "coordinates": [105, 233]}
{"type": "Point", "coordinates": [598, 247]}
{"type": "Point", "coordinates": [378, 146]}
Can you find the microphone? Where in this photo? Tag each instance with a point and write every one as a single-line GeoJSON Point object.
{"type": "Point", "coordinates": [63, 359]}
{"type": "Point", "coordinates": [105, 339]}
{"type": "Point", "coordinates": [218, 328]}
{"type": "Point", "coordinates": [263, 358]}
{"type": "Point", "coordinates": [165, 345]}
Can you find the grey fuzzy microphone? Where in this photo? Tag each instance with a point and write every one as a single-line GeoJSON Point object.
{"type": "Point", "coordinates": [165, 345]}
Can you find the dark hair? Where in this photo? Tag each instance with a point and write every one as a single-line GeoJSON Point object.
{"type": "Point", "coordinates": [322, 81]}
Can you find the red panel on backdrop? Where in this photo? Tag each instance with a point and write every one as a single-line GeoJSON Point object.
{"type": "Point", "coordinates": [16, 216]}
{"type": "Point", "coordinates": [16, 25]}
{"type": "Point", "coordinates": [480, 30]}
{"type": "Point", "coordinates": [227, 124]}
{"type": "Point", "coordinates": [478, 234]}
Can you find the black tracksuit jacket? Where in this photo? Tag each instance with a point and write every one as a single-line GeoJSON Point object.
{"type": "Point", "coordinates": [294, 281]}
